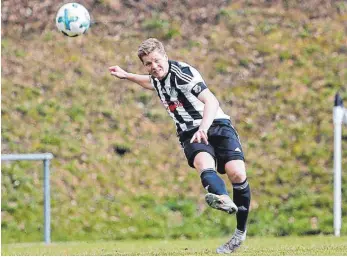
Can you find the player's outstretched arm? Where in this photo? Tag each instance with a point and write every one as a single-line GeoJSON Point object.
{"type": "Point", "coordinates": [143, 80]}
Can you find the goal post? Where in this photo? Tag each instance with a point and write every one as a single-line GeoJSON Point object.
{"type": "Point", "coordinates": [339, 117]}
{"type": "Point", "coordinates": [45, 157]}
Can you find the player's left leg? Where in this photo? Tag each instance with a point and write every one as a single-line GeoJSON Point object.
{"type": "Point", "coordinates": [236, 171]}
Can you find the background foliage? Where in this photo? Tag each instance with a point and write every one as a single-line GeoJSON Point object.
{"type": "Point", "coordinates": [118, 170]}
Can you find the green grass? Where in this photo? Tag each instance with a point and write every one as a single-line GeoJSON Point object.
{"type": "Point", "coordinates": [318, 245]}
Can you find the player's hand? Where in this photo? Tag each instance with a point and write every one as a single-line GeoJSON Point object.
{"type": "Point", "coordinates": [200, 135]}
{"type": "Point", "coordinates": [118, 72]}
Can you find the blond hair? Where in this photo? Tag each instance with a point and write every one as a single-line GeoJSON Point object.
{"type": "Point", "coordinates": [150, 45]}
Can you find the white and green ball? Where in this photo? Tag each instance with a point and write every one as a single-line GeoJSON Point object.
{"type": "Point", "coordinates": [72, 19]}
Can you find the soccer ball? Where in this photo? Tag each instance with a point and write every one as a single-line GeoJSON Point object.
{"type": "Point", "coordinates": [72, 19]}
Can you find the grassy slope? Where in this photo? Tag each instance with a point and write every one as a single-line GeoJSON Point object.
{"type": "Point", "coordinates": [275, 72]}
{"type": "Point", "coordinates": [267, 246]}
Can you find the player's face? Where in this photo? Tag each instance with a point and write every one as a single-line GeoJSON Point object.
{"type": "Point", "coordinates": [157, 64]}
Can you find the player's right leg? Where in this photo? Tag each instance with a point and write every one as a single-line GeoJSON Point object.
{"type": "Point", "coordinates": [202, 157]}
{"type": "Point", "coordinates": [217, 196]}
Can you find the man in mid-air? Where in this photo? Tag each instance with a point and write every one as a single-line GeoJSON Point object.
{"type": "Point", "coordinates": [209, 140]}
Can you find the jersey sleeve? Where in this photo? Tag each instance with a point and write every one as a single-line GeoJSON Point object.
{"type": "Point", "coordinates": [197, 84]}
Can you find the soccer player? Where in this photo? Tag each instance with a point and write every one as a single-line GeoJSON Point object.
{"type": "Point", "coordinates": [209, 140]}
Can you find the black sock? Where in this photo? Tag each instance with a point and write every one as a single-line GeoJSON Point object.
{"type": "Point", "coordinates": [212, 182]}
{"type": "Point", "coordinates": [242, 199]}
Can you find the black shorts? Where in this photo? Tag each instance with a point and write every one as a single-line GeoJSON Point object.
{"type": "Point", "coordinates": [224, 144]}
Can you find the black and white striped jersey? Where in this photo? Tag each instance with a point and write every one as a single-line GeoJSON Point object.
{"type": "Point", "coordinates": [179, 91]}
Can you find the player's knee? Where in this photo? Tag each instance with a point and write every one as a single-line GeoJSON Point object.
{"type": "Point", "coordinates": [236, 171]}
{"type": "Point", "coordinates": [203, 161]}
{"type": "Point", "coordinates": [238, 176]}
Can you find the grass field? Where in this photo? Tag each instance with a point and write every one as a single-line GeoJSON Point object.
{"type": "Point", "coordinates": [315, 245]}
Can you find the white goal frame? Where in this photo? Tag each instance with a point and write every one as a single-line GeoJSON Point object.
{"type": "Point", "coordinates": [45, 157]}
{"type": "Point", "coordinates": [340, 117]}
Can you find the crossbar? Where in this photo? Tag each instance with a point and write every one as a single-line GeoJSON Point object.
{"type": "Point", "coordinates": [29, 157]}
